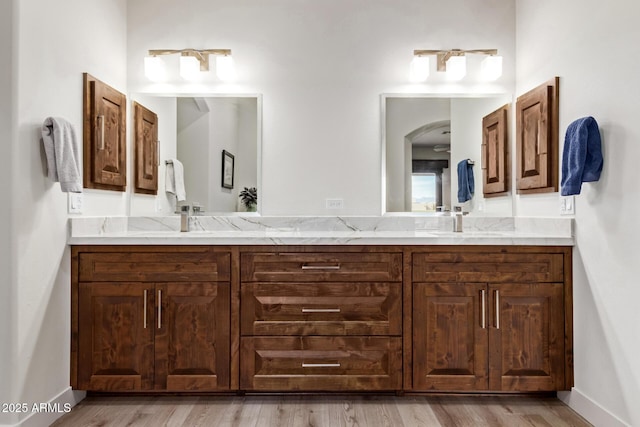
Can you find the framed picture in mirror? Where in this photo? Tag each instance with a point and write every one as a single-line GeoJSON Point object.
{"type": "Point", "coordinates": [228, 160]}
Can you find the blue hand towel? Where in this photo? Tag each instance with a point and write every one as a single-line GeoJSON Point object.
{"type": "Point", "coordinates": [581, 155]}
{"type": "Point", "coordinates": [466, 184]}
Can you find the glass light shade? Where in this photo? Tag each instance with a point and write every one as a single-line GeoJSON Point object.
{"type": "Point", "coordinates": [491, 68]}
{"type": "Point", "coordinates": [225, 68]}
{"type": "Point", "coordinates": [189, 67]}
{"type": "Point", "coordinates": [456, 67]}
{"type": "Point", "coordinates": [155, 69]}
{"type": "Point", "coordinates": [419, 69]}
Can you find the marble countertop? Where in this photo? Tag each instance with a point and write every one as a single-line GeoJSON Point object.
{"type": "Point", "coordinates": [381, 230]}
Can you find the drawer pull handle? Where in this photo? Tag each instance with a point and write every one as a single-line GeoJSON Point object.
{"type": "Point", "coordinates": [144, 314]}
{"type": "Point", "coordinates": [484, 309]}
{"type": "Point", "coordinates": [497, 299]}
{"type": "Point", "coordinates": [320, 365]}
{"type": "Point", "coordinates": [321, 310]}
{"type": "Point", "coordinates": [101, 120]}
{"type": "Point", "coordinates": [320, 267]}
{"type": "Point", "coordinates": [159, 309]}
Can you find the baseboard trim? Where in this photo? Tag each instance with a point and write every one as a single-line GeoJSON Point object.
{"type": "Point", "coordinates": [589, 409]}
{"type": "Point", "coordinates": [53, 409]}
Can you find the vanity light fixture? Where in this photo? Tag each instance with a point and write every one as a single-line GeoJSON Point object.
{"type": "Point", "coordinates": [453, 62]}
{"type": "Point", "coordinates": [192, 63]}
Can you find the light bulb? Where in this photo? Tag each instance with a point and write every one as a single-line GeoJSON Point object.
{"type": "Point", "coordinates": [154, 69]}
{"type": "Point", "coordinates": [456, 67]}
{"type": "Point", "coordinates": [491, 68]}
{"type": "Point", "coordinates": [419, 69]}
{"type": "Point", "coordinates": [225, 68]}
{"type": "Point", "coordinates": [189, 67]}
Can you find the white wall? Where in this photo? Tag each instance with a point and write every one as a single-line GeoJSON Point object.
{"type": "Point", "coordinates": [592, 46]}
{"type": "Point", "coordinates": [7, 127]}
{"type": "Point", "coordinates": [193, 150]}
{"type": "Point", "coordinates": [223, 135]}
{"type": "Point", "coordinates": [321, 67]}
{"type": "Point", "coordinates": [56, 41]}
{"type": "Point", "coordinates": [466, 143]}
{"type": "Point", "coordinates": [162, 203]}
{"type": "Point", "coordinates": [403, 116]}
{"type": "Point", "coordinates": [247, 155]}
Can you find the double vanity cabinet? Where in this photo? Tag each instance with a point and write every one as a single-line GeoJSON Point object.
{"type": "Point", "coordinates": [322, 318]}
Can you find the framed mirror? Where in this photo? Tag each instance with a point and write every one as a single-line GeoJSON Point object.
{"type": "Point", "coordinates": [201, 132]}
{"type": "Point", "coordinates": [424, 138]}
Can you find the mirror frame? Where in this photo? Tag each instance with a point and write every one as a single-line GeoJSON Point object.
{"type": "Point", "coordinates": [259, 105]}
{"type": "Point", "coordinates": [383, 139]}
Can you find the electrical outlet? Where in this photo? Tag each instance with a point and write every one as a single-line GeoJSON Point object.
{"type": "Point", "coordinates": [334, 203]}
{"type": "Point", "coordinates": [75, 202]}
{"type": "Point", "coordinates": [567, 205]}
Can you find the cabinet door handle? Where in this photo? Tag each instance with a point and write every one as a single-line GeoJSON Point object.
{"type": "Point", "coordinates": [320, 267]}
{"type": "Point", "coordinates": [483, 315]}
{"type": "Point", "coordinates": [159, 309]}
{"type": "Point", "coordinates": [321, 310]}
{"type": "Point", "coordinates": [158, 153]}
{"type": "Point", "coordinates": [144, 315]}
{"type": "Point", "coordinates": [497, 301]}
{"type": "Point", "coordinates": [101, 120]}
{"type": "Point", "coordinates": [320, 365]}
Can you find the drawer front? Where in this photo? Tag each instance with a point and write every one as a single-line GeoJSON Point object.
{"type": "Point", "coordinates": [154, 266]}
{"type": "Point", "coordinates": [321, 363]}
{"type": "Point", "coordinates": [321, 309]}
{"type": "Point", "coordinates": [487, 267]}
{"type": "Point", "coordinates": [321, 267]}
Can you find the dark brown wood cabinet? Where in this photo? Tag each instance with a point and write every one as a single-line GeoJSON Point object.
{"type": "Point", "coordinates": [495, 153]}
{"type": "Point", "coordinates": [321, 318]}
{"type": "Point", "coordinates": [137, 332]}
{"type": "Point", "coordinates": [104, 135]}
{"type": "Point", "coordinates": [146, 149]}
{"type": "Point", "coordinates": [489, 321]}
{"type": "Point", "coordinates": [537, 147]}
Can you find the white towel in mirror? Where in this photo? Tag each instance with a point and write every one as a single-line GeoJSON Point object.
{"type": "Point", "coordinates": [174, 179]}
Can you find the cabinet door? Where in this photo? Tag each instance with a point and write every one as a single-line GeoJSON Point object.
{"type": "Point", "coordinates": [146, 149]}
{"type": "Point", "coordinates": [192, 336]}
{"type": "Point", "coordinates": [116, 337]}
{"type": "Point", "coordinates": [105, 156]}
{"type": "Point", "coordinates": [527, 337]}
{"type": "Point", "coordinates": [495, 153]}
{"type": "Point", "coordinates": [537, 139]}
{"type": "Point", "coordinates": [450, 336]}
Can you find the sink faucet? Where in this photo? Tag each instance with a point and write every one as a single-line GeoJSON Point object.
{"type": "Point", "coordinates": [457, 219]}
{"type": "Point", "coordinates": [184, 218]}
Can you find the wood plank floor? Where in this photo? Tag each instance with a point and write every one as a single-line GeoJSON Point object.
{"type": "Point", "coordinates": [321, 411]}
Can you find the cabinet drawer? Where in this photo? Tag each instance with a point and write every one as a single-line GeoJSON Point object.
{"type": "Point", "coordinates": [495, 267]}
{"type": "Point", "coordinates": [321, 267]}
{"type": "Point", "coordinates": [321, 363]}
{"type": "Point", "coordinates": [321, 309]}
{"type": "Point", "coordinates": [154, 266]}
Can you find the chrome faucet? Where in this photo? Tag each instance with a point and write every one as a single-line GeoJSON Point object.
{"type": "Point", "coordinates": [457, 219]}
{"type": "Point", "coordinates": [184, 218]}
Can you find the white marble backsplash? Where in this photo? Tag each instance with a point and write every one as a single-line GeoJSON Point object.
{"type": "Point", "coordinates": [97, 226]}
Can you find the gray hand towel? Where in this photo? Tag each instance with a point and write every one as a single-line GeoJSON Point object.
{"type": "Point", "coordinates": [63, 160]}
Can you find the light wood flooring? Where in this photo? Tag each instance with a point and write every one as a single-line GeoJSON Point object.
{"type": "Point", "coordinates": [321, 411]}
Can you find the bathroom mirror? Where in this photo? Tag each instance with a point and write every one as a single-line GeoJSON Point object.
{"type": "Point", "coordinates": [424, 137]}
{"type": "Point", "coordinates": [196, 130]}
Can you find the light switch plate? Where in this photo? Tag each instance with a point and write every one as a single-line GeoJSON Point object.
{"type": "Point", "coordinates": [567, 205]}
{"type": "Point", "coordinates": [76, 201]}
{"type": "Point", "coordinates": [334, 203]}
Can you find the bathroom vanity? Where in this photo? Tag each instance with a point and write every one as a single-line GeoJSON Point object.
{"type": "Point", "coordinates": [339, 308]}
